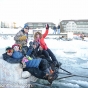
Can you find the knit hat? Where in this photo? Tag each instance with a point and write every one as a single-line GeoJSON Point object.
{"type": "Point", "coordinates": [26, 26]}
{"type": "Point", "coordinates": [36, 43]}
{"type": "Point", "coordinates": [8, 48]}
{"type": "Point", "coordinates": [30, 43]}
{"type": "Point", "coordinates": [15, 45]}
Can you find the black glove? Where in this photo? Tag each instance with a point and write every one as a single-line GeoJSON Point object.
{"type": "Point", "coordinates": [57, 64]}
{"type": "Point", "coordinates": [47, 26]}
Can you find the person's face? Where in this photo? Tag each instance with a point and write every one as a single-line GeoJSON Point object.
{"type": "Point", "coordinates": [34, 46]}
{"type": "Point", "coordinates": [9, 52]}
{"type": "Point", "coordinates": [37, 36]}
{"type": "Point", "coordinates": [26, 30]}
{"type": "Point", "coordinates": [16, 48]}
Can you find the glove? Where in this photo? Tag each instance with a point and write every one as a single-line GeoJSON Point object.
{"type": "Point", "coordinates": [29, 58]}
{"type": "Point", "coordinates": [47, 26]}
{"type": "Point", "coordinates": [57, 64]}
{"type": "Point", "coordinates": [22, 38]}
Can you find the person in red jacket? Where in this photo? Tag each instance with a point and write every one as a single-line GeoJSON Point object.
{"type": "Point", "coordinates": [39, 38]}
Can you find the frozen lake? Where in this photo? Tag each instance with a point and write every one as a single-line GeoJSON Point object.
{"type": "Point", "coordinates": [72, 54]}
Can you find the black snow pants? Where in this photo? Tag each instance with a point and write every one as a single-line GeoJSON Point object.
{"type": "Point", "coordinates": [36, 72]}
{"type": "Point", "coordinates": [51, 55]}
{"type": "Point", "coordinates": [46, 56]}
{"type": "Point", "coordinates": [43, 65]}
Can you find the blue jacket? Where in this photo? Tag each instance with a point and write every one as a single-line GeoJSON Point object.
{"type": "Point", "coordinates": [10, 59]}
{"type": "Point", "coordinates": [17, 55]}
{"type": "Point", "coordinates": [29, 51]}
{"type": "Point", "coordinates": [33, 63]}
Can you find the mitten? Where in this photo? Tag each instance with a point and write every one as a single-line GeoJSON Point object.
{"type": "Point", "coordinates": [47, 26]}
{"type": "Point", "coordinates": [29, 58]}
{"type": "Point", "coordinates": [22, 38]}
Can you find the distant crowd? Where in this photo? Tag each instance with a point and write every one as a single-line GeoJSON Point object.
{"type": "Point", "coordinates": [56, 30]}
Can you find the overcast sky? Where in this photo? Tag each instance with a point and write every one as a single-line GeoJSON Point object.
{"type": "Point", "coordinates": [22, 11]}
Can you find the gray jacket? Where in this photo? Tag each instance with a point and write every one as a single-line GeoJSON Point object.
{"type": "Point", "coordinates": [19, 34]}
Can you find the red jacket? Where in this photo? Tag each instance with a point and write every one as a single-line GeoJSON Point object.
{"type": "Point", "coordinates": [42, 42]}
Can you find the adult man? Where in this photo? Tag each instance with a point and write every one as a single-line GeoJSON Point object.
{"type": "Point", "coordinates": [58, 29]}
{"type": "Point", "coordinates": [54, 29]}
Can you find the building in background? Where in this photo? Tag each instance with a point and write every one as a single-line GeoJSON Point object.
{"type": "Point", "coordinates": [75, 26]}
{"type": "Point", "coordinates": [34, 25]}
{"type": "Point", "coordinates": [0, 24]}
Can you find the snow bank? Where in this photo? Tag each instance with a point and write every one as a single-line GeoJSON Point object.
{"type": "Point", "coordinates": [12, 76]}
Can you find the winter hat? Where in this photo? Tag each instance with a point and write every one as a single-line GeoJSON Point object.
{"type": "Point", "coordinates": [26, 26]}
{"type": "Point", "coordinates": [36, 43]}
{"type": "Point", "coordinates": [8, 48]}
{"type": "Point", "coordinates": [30, 43]}
{"type": "Point", "coordinates": [15, 45]}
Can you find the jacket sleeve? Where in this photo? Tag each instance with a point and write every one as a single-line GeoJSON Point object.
{"type": "Point", "coordinates": [46, 33]}
{"type": "Point", "coordinates": [19, 34]}
{"type": "Point", "coordinates": [39, 52]}
{"type": "Point", "coordinates": [30, 50]}
{"type": "Point", "coordinates": [10, 59]}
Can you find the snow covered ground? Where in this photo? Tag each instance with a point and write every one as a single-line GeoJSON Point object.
{"type": "Point", "coordinates": [72, 54]}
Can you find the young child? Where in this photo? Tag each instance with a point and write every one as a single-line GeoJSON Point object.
{"type": "Point", "coordinates": [7, 56]}
{"type": "Point", "coordinates": [33, 50]}
{"type": "Point", "coordinates": [16, 52]}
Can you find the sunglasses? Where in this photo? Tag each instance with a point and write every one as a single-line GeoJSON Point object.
{"type": "Point", "coordinates": [10, 51]}
{"type": "Point", "coordinates": [27, 28]}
